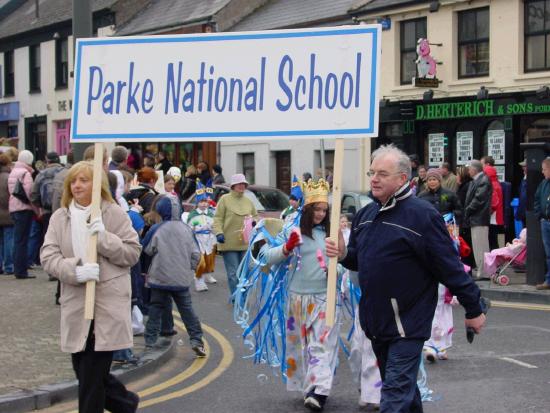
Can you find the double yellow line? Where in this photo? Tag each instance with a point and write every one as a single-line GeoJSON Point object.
{"type": "Point", "coordinates": [520, 306]}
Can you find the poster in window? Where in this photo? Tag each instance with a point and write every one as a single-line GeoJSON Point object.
{"type": "Point", "coordinates": [436, 148]}
{"type": "Point", "coordinates": [500, 172]}
{"type": "Point", "coordinates": [496, 145]}
{"type": "Point", "coordinates": [464, 147]}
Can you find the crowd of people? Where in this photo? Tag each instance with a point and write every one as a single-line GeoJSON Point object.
{"type": "Point", "coordinates": [406, 260]}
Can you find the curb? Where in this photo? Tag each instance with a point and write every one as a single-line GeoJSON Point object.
{"type": "Point", "coordinates": [49, 394]}
{"type": "Point", "coordinates": [515, 296]}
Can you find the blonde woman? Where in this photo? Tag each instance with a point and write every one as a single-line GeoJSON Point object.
{"type": "Point", "coordinates": [64, 255]}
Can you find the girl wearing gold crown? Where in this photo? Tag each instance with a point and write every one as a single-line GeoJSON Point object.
{"type": "Point", "coordinates": [281, 300]}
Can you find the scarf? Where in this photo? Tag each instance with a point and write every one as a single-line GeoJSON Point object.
{"type": "Point", "coordinates": [79, 233]}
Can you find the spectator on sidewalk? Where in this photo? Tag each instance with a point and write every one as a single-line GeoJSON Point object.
{"type": "Point", "coordinates": [487, 160]}
{"type": "Point", "coordinates": [442, 199]}
{"type": "Point", "coordinates": [477, 213]}
{"type": "Point", "coordinates": [6, 223]}
{"type": "Point", "coordinates": [448, 178]}
{"type": "Point", "coordinates": [496, 224]}
{"type": "Point", "coordinates": [522, 195]}
{"type": "Point", "coordinates": [163, 163]}
{"type": "Point", "coordinates": [419, 182]}
{"type": "Point", "coordinates": [58, 182]}
{"type": "Point", "coordinates": [119, 154]}
{"type": "Point", "coordinates": [65, 255]}
{"type": "Point", "coordinates": [542, 211]}
{"type": "Point", "coordinates": [231, 211]}
{"type": "Point", "coordinates": [218, 177]}
{"type": "Point", "coordinates": [21, 213]}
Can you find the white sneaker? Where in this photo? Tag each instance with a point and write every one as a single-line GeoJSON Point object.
{"type": "Point", "coordinates": [430, 354]}
{"type": "Point", "coordinates": [210, 279]}
{"type": "Point", "coordinates": [200, 285]}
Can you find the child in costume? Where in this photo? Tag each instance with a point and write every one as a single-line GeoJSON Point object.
{"type": "Point", "coordinates": [201, 221]}
{"type": "Point", "coordinates": [294, 200]}
{"type": "Point", "coordinates": [362, 360]}
{"type": "Point", "coordinates": [442, 325]}
{"type": "Point", "coordinates": [281, 300]}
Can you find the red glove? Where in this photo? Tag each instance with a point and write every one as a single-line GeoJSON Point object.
{"type": "Point", "coordinates": [293, 241]}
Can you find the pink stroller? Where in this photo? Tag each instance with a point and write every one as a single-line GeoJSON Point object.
{"type": "Point", "coordinates": [498, 260]}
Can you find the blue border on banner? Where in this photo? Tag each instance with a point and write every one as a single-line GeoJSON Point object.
{"type": "Point", "coordinates": [186, 39]}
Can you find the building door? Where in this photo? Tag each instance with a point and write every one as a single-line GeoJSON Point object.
{"type": "Point", "coordinates": [36, 137]}
{"type": "Point", "coordinates": [62, 135]}
{"type": "Point", "coordinates": [282, 165]}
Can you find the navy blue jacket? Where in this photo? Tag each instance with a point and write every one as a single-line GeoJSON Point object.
{"type": "Point", "coordinates": [402, 251]}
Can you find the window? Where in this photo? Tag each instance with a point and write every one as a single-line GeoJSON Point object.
{"type": "Point", "coordinates": [9, 74]}
{"type": "Point", "coordinates": [34, 68]}
{"type": "Point", "coordinates": [61, 63]}
{"type": "Point", "coordinates": [248, 167]}
{"type": "Point", "coordinates": [473, 43]}
{"type": "Point", "coordinates": [537, 35]}
{"type": "Point", "coordinates": [411, 31]}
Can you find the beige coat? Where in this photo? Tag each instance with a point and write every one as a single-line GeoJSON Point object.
{"type": "Point", "coordinates": [118, 249]}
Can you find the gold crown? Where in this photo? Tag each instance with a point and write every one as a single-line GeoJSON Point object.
{"type": "Point", "coordinates": [315, 191]}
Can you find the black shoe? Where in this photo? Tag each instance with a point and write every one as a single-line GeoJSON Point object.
{"type": "Point", "coordinates": [199, 350]}
{"type": "Point", "coordinates": [315, 402]}
{"type": "Point", "coordinates": [168, 333]}
{"type": "Point", "coordinates": [25, 277]}
{"type": "Point", "coordinates": [134, 401]}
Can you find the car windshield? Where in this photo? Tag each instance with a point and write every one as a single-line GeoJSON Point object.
{"type": "Point", "coordinates": [252, 197]}
{"type": "Point", "coordinates": [271, 200]}
{"type": "Point", "coordinates": [364, 200]}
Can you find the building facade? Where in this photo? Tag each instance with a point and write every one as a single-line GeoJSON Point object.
{"type": "Point", "coordinates": [494, 72]}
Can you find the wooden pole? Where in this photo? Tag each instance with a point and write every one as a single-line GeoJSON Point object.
{"type": "Point", "coordinates": [89, 304]}
{"type": "Point", "coordinates": [334, 228]}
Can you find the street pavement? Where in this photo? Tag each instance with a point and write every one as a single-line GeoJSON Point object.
{"type": "Point", "coordinates": [504, 370]}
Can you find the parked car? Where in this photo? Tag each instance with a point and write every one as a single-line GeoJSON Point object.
{"type": "Point", "coordinates": [352, 201]}
{"type": "Point", "coordinates": [269, 201]}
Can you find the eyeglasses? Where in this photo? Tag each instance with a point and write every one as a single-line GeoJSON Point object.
{"type": "Point", "coordinates": [381, 174]}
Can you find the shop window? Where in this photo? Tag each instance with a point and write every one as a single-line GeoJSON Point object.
{"type": "Point", "coordinates": [539, 129]}
{"type": "Point", "coordinates": [537, 35]}
{"type": "Point", "coordinates": [34, 68]}
{"type": "Point", "coordinates": [248, 167]}
{"type": "Point", "coordinates": [411, 31]}
{"type": "Point", "coordinates": [9, 74]}
{"type": "Point", "coordinates": [473, 43]}
{"type": "Point", "coordinates": [61, 63]}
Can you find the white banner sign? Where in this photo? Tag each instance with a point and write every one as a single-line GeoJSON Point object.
{"type": "Point", "coordinates": [464, 147]}
{"type": "Point", "coordinates": [289, 83]}
{"type": "Point", "coordinates": [496, 145]}
{"type": "Point", "coordinates": [436, 149]}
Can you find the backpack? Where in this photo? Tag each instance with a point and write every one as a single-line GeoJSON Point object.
{"type": "Point", "coordinates": [47, 187]}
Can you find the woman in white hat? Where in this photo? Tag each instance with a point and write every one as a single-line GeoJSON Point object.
{"type": "Point", "coordinates": [231, 211]}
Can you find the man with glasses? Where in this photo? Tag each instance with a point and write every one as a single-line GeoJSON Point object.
{"type": "Point", "coordinates": [401, 248]}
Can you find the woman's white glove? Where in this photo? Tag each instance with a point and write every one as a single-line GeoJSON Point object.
{"type": "Point", "coordinates": [96, 226]}
{"type": "Point", "coordinates": [87, 272]}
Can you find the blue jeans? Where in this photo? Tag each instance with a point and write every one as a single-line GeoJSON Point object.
{"type": "Point", "coordinates": [545, 234]}
{"type": "Point", "coordinates": [399, 361]}
{"type": "Point", "coordinates": [231, 260]}
{"type": "Point", "coordinates": [160, 302]}
{"type": "Point", "coordinates": [21, 231]}
{"type": "Point", "coordinates": [36, 239]}
{"type": "Point", "coordinates": [6, 249]}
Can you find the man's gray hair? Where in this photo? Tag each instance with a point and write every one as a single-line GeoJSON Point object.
{"type": "Point", "coordinates": [477, 165]}
{"type": "Point", "coordinates": [403, 161]}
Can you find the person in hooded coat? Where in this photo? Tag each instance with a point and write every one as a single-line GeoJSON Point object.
{"type": "Point", "coordinates": [175, 256]}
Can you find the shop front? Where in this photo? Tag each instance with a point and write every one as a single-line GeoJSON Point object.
{"type": "Point", "coordinates": [457, 130]}
{"type": "Point", "coordinates": [9, 118]}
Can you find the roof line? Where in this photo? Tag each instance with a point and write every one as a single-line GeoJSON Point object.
{"type": "Point", "coordinates": [199, 20]}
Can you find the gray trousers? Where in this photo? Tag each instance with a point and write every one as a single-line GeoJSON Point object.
{"type": "Point", "coordinates": [480, 245]}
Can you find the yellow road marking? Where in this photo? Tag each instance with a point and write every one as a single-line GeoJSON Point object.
{"type": "Point", "coordinates": [225, 362]}
{"type": "Point", "coordinates": [195, 367]}
{"type": "Point", "coordinates": [520, 306]}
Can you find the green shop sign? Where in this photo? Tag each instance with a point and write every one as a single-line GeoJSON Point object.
{"type": "Point", "coordinates": [474, 109]}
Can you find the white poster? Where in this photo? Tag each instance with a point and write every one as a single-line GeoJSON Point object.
{"type": "Point", "coordinates": [496, 145]}
{"type": "Point", "coordinates": [500, 172]}
{"type": "Point", "coordinates": [318, 82]}
{"type": "Point", "coordinates": [464, 147]}
{"type": "Point", "coordinates": [436, 149]}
